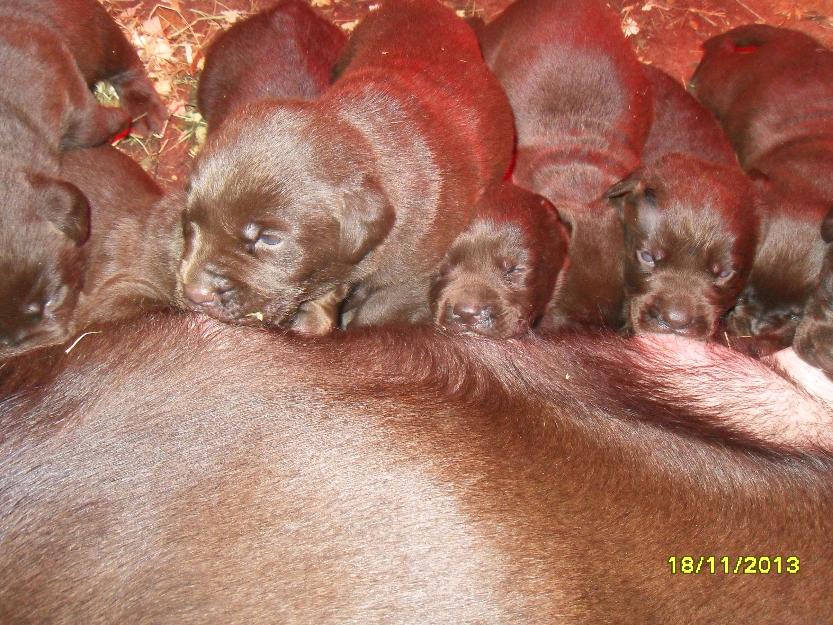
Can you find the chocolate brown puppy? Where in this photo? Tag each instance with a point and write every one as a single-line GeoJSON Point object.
{"type": "Point", "coordinates": [135, 238]}
{"type": "Point", "coordinates": [772, 89]}
{"type": "Point", "coordinates": [813, 339]}
{"type": "Point", "coordinates": [130, 259]}
{"type": "Point", "coordinates": [50, 52]}
{"type": "Point", "coordinates": [690, 233]}
{"type": "Point", "coordinates": [285, 52]}
{"type": "Point", "coordinates": [295, 204]}
{"type": "Point", "coordinates": [582, 110]}
{"type": "Point", "coordinates": [500, 272]}
{"type": "Point", "coordinates": [691, 220]}
{"type": "Point", "coordinates": [226, 475]}
{"type": "Point", "coordinates": [767, 86]}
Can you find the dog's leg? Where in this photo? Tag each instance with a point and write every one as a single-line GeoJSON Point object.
{"type": "Point", "coordinates": [320, 316]}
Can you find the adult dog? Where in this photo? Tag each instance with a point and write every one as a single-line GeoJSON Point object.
{"type": "Point", "coordinates": [217, 474]}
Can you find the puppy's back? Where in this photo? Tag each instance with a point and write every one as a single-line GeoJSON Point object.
{"type": "Point", "coordinates": [286, 52]}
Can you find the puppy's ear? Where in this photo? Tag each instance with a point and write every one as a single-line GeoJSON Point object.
{"type": "Point", "coordinates": [366, 218]}
{"type": "Point", "coordinates": [618, 194]}
{"type": "Point", "coordinates": [63, 205]}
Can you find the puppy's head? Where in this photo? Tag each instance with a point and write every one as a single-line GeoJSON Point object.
{"type": "Point", "coordinates": [788, 273]}
{"type": "Point", "coordinates": [45, 223]}
{"type": "Point", "coordinates": [283, 204]}
{"type": "Point", "coordinates": [690, 234]}
{"type": "Point", "coordinates": [499, 274]}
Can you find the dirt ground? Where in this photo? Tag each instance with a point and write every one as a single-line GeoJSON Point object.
{"type": "Point", "coordinates": [170, 35]}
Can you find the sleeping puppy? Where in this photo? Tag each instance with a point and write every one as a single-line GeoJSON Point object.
{"type": "Point", "coordinates": [294, 206]}
{"type": "Point", "coordinates": [130, 258]}
{"type": "Point", "coordinates": [690, 220]}
{"type": "Point", "coordinates": [582, 110]}
{"type": "Point", "coordinates": [500, 272]}
{"type": "Point", "coordinates": [772, 89]}
{"type": "Point", "coordinates": [50, 52]}
{"type": "Point", "coordinates": [690, 233]}
{"type": "Point", "coordinates": [298, 49]}
{"type": "Point", "coordinates": [767, 86]}
{"type": "Point", "coordinates": [135, 238]}
{"type": "Point", "coordinates": [813, 340]}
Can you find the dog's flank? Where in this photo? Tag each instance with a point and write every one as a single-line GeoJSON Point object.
{"type": "Point", "coordinates": [451, 468]}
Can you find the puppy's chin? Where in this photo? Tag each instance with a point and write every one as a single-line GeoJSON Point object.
{"type": "Point", "coordinates": [644, 320]}
{"type": "Point", "coordinates": [499, 322]}
{"type": "Point", "coordinates": [248, 314]}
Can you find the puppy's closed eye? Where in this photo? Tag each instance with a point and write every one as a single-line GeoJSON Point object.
{"type": "Point", "coordinates": [722, 273]}
{"type": "Point", "coordinates": [513, 273]}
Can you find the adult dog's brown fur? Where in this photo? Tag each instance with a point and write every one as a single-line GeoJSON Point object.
{"type": "Point", "coordinates": [499, 274]}
{"type": "Point", "coordinates": [285, 52]}
{"type": "Point", "coordinates": [582, 110]}
{"type": "Point", "coordinates": [690, 217]}
{"type": "Point", "coordinates": [213, 474]}
{"type": "Point", "coordinates": [772, 89]}
{"type": "Point", "coordinates": [295, 204]}
{"type": "Point", "coordinates": [50, 53]}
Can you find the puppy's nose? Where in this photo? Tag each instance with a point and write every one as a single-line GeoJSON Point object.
{"type": "Point", "coordinates": [200, 294]}
{"type": "Point", "coordinates": [469, 313]}
{"type": "Point", "coordinates": [678, 318]}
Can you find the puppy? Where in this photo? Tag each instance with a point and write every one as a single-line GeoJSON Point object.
{"type": "Point", "coordinates": [294, 206]}
{"type": "Point", "coordinates": [767, 86]}
{"type": "Point", "coordinates": [130, 258]}
{"type": "Point", "coordinates": [499, 274]}
{"type": "Point", "coordinates": [51, 52]}
{"type": "Point", "coordinates": [813, 340]}
{"type": "Point", "coordinates": [690, 233]}
{"type": "Point", "coordinates": [224, 475]}
{"type": "Point", "coordinates": [135, 238]}
{"type": "Point", "coordinates": [772, 90]}
{"type": "Point", "coordinates": [690, 219]}
{"type": "Point", "coordinates": [294, 48]}
{"type": "Point", "coordinates": [582, 109]}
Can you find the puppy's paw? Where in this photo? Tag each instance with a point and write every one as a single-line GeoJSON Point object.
{"type": "Point", "coordinates": [140, 100]}
{"type": "Point", "coordinates": [320, 316]}
{"type": "Point", "coordinates": [97, 125]}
